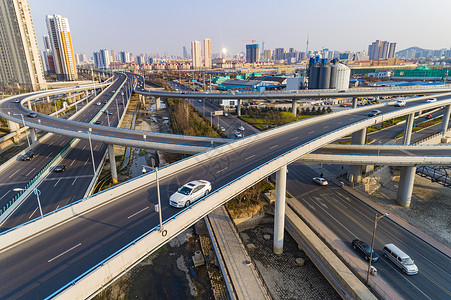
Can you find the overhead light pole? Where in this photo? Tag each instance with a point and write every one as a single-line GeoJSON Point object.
{"type": "Point", "coordinates": [37, 193]}
{"type": "Point", "coordinates": [26, 131]}
{"type": "Point", "coordinates": [158, 195]}
{"type": "Point", "coordinates": [372, 244]}
{"type": "Point", "coordinates": [92, 153]}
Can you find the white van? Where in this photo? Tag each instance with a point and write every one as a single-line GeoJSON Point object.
{"type": "Point", "coordinates": [400, 259]}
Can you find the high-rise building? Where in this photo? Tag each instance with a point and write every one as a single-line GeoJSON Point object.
{"type": "Point", "coordinates": [196, 54]}
{"type": "Point", "coordinates": [207, 53]}
{"type": "Point", "coordinates": [381, 50]}
{"type": "Point", "coordinates": [252, 53]}
{"type": "Point", "coordinates": [279, 53]}
{"type": "Point", "coordinates": [113, 55]}
{"type": "Point", "coordinates": [20, 62]}
{"type": "Point", "coordinates": [104, 58]}
{"type": "Point", "coordinates": [267, 54]}
{"type": "Point", "coordinates": [63, 51]}
{"type": "Point", "coordinates": [47, 57]}
{"type": "Point", "coordinates": [124, 57]}
{"type": "Point", "coordinates": [185, 53]}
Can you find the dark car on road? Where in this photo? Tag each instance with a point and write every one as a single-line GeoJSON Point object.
{"type": "Point", "coordinates": [374, 113]}
{"type": "Point", "coordinates": [32, 115]}
{"type": "Point", "coordinates": [98, 122]}
{"type": "Point", "coordinates": [59, 169]}
{"type": "Point", "coordinates": [364, 249]}
{"type": "Point", "coordinates": [28, 156]}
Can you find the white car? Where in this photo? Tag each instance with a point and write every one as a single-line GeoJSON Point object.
{"type": "Point", "coordinates": [223, 129]}
{"type": "Point", "coordinates": [189, 193]}
{"type": "Point", "coordinates": [320, 181]}
{"type": "Point", "coordinates": [238, 134]}
{"type": "Point", "coordinates": [99, 103]}
{"type": "Point", "coordinates": [432, 100]}
{"type": "Point", "coordinates": [241, 128]}
{"type": "Point", "coordinates": [400, 103]}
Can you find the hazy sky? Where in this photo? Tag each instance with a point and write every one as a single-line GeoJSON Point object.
{"type": "Point", "coordinates": [165, 26]}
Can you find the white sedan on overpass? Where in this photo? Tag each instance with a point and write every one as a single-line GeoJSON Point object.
{"type": "Point", "coordinates": [189, 193]}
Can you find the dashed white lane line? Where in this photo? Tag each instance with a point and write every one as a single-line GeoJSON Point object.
{"type": "Point", "coordinates": [74, 181]}
{"type": "Point", "coordinates": [222, 170]}
{"type": "Point", "coordinates": [50, 144]}
{"type": "Point", "coordinates": [83, 147]}
{"type": "Point", "coordinates": [30, 171]}
{"type": "Point", "coordinates": [95, 148]}
{"type": "Point", "coordinates": [33, 212]}
{"type": "Point", "coordinates": [311, 132]}
{"type": "Point", "coordinates": [326, 126]}
{"type": "Point", "coordinates": [5, 194]}
{"type": "Point", "coordinates": [72, 162]}
{"type": "Point", "coordinates": [295, 138]}
{"type": "Point", "coordinates": [14, 173]}
{"type": "Point", "coordinates": [249, 157]}
{"type": "Point", "coordinates": [86, 161]}
{"type": "Point", "coordinates": [62, 143]}
{"type": "Point", "coordinates": [59, 255]}
{"type": "Point", "coordinates": [131, 216]}
{"type": "Point", "coordinates": [57, 182]}
{"type": "Point", "coordinates": [275, 146]}
{"type": "Point", "coordinates": [49, 154]}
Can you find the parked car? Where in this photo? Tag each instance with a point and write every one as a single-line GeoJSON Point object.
{"type": "Point", "coordinates": [374, 113]}
{"type": "Point", "coordinates": [28, 156]}
{"type": "Point", "coordinates": [189, 193]}
{"type": "Point", "coordinates": [400, 103]}
{"type": "Point", "coordinates": [320, 181]}
{"type": "Point", "coordinates": [32, 115]}
{"type": "Point", "coordinates": [432, 100]}
{"type": "Point", "coordinates": [400, 259]}
{"type": "Point", "coordinates": [365, 250]}
{"type": "Point", "coordinates": [59, 168]}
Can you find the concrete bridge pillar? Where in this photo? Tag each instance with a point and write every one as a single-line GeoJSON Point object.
{"type": "Point", "coordinates": [143, 99]}
{"type": "Point", "coordinates": [48, 99]}
{"type": "Point", "coordinates": [405, 188]}
{"type": "Point", "coordinates": [445, 120]}
{"type": "Point", "coordinates": [13, 126]}
{"type": "Point", "coordinates": [355, 171]}
{"type": "Point", "coordinates": [112, 159]}
{"type": "Point", "coordinates": [238, 107]}
{"type": "Point", "coordinates": [294, 108]}
{"type": "Point", "coordinates": [408, 129]}
{"type": "Point", "coordinates": [279, 213]}
{"type": "Point", "coordinates": [157, 103]}
{"type": "Point", "coordinates": [33, 135]}
{"type": "Point", "coordinates": [29, 105]}
{"type": "Point", "coordinates": [354, 102]}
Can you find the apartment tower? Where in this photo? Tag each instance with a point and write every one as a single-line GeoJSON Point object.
{"type": "Point", "coordinates": [196, 55]}
{"type": "Point", "coordinates": [207, 53]}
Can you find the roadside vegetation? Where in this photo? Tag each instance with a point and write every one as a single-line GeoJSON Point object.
{"type": "Point", "coordinates": [250, 202]}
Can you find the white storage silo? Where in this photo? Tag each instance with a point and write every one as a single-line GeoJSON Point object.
{"type": "Point", "coordinates": [343, 76]}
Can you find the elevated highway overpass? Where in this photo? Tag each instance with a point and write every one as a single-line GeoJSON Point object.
{"type": "Point", "coordinates": [96, 229]}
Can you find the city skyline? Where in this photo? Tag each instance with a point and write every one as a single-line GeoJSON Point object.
{"type": "Point", "coordinates": [337, 26]}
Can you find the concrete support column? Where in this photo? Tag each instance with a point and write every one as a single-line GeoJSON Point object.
{"type": "Point", "coordinates": [157, 103]}
{"type": "Point", "coordinates": [238, 107]}
{"type": "Point", "coordinates": [294, 108]}
{"type": "Point", "coordinates": [112, 163]}
{"type": "Point", "coordinates": [405, 188]}
{"type": "Point", "coordinates": [143, 99]}
{"type": "Point", "coordinates": [48, 99]}
{"type": "Point", "coordinates": [29, 105]}
{"type": "Point", "coordinates": [445, 120]}
{"type": "Point", "coordinates": [408, 129]}
{"type": "Point", "coordinates": [355, 171]}
{"type": "Point", "coordinates": [354, 102]}
{"type": "Point", "coordinates": [13, 126]}
{"type": "Point", "coordinates": [33, 135]}
{"type": "Point", "coordinates": [279, 213]}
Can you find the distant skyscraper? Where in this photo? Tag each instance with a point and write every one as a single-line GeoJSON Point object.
{"type": "Point", "coordinates": [63, 51]}
{"type": "Point", "coordinates": [381, 50]}
{"type": "Point", "coordinates": [185, 53]}
{"type": "Point", "coordinates": [207, 53]}
{"type": "Point", "coordinates": [392, 50]}
{"type": "Point", "coordinates": [124, 57]}
{"type": "Point", "coordinates": [47, 56]}
{"type": "Point", "coordinates": [20, 62]}
{"type": "Point", "coordinates": [252, 53]}
{"type": "Point", "coordinates": [196, 54]}
{"type": "Point", "coordinates": [113, 55]}
{"type": "Point", "coordinates": [104, 58]}
{"type": "Point", "coordinates": [279, 53]}
{"type": "Point", "coordinates": [267, 54]}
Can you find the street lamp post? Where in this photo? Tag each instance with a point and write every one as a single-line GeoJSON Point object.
{"type": "Point", "coordinates": [37, 193]}
{"type": "Point", "coordinates": [158, 195]}
{"type": "Point", "coordinates": [92, 153]}
{"type": "Point", "coordinates": [117, 108]}
{"type": "Point", "coordinates": [26, 131]}
{"type": "Point", "coordinates": [108, 117]}
{"type": "Point", "coordinates": [372, 244]}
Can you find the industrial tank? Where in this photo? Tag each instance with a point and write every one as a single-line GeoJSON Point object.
{"type": "Point", "coordinates": [333, 77]}
{"type": "Point", "coordinates": [324, 77]}
{"type": "Point", "coordinates": [343, 76]}
{"type": "Point", "coordinates": [313, 82]}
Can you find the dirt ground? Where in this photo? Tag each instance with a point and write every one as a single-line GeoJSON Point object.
{"type": "Point", "coordinates": [430, 208]}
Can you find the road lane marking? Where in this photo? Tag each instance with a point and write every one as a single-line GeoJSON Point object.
{"type": "Point", "coordinates": [326, 127]}
{"type": "Point", "coordinates": [131, 216]}
{"type": "Point", "coordinates": [74, 181]}
{"type": "Point", "coordinates": [50, 144]}
{"type": "Point", "coordinates": [249, 157]}
{"type": "Point", "coordinates": [311, 132]}
{"type": "Point", "coordinates": [275, 146]}
{"type": "Point", "coordinates": [72, 162]}
{"type": "Point", "coordinates": [50, 260]}
{"type": "Point", "coordinates": [14, 173]}
{"type": "Point", "coordinates": [49, 154]}
{"type": "Point", "coordinates": [295, 138]}
{"type": "Point", "coordinates": [57, 207]}
{"type": "Point", "coordinates": [86, 161]}
{"type": "Point", "coordinates": [95, 148]}
{"type": "Point", "coordinates": [57, 182]}
{"type": "Point", "coordinates": [62, 143]}
{"type": "Point", "coordinates": [5, 194]}
{"type": "Point", "coordinates": [83, 147]}
{"type": "Point", "coordinates": [30, 172]}
{"type": "Point", "coordinates": [339, 123]}
{"type": "Point", "coordinates": [33, 212]}
{"type": "Point", "coordinates": [222, 170]}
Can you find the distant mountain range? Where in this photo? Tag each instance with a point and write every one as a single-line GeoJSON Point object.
{"type": "Point", "coordinates": [417, 52]}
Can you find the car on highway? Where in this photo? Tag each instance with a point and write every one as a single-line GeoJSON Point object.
{"type": "Point", "coordinates": [98, 122]}
{"type": "Point", "coordinates": [17, 101]}
{"type": "Point", "coordinates": [432, 100]}
{"type": "Point", "coordinates": [241, 128]}
{"type": "Point", "coordinates": [400, 103]}
{"type": "Point", "coordinates": [200, 100]}
{"type": "Point", "coordinates": [59, 168]}
{"type": "Point", "coordinates": [98, 103]}
{"type": "Point", "coordinates": [320, 181]}
{"type": "Point", "coordinates": [189, 193]}
{"type": "Point", "coordinates": [428, 117]}
{"type": "Point", "coordinates": [365, 250]}
{"type": "Point", "coordinates": [32, 115]}
{"type": "Point", "coordinates": [399, 258]}
{"type": "Point", "coordinates": [223, 129]}
{"type": "Point", "coordinates": [108, 112]}
{"type": "Point", "coordinates": [238, 134]}
{"type": "Point", "coordinates": [374, 113]}
{"type": "Point", "coordinates": [28, 156]}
